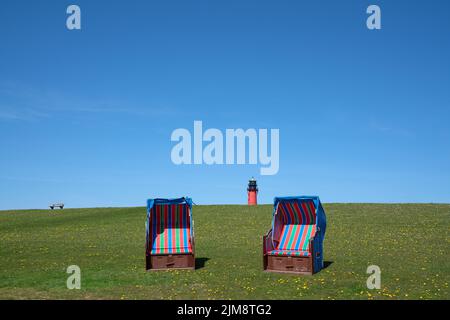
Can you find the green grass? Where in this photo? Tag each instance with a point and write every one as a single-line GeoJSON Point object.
{"type": "Point", "coordinates": [409, 242]}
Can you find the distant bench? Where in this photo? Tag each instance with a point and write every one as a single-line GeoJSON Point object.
{"type": "Point", "coordinates": [57, 205]}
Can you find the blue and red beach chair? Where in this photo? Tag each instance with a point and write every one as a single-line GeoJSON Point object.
{"type": "Point", "coordinates": [294, 244]}
{"type": "Point", "coordinates": [169, 234]}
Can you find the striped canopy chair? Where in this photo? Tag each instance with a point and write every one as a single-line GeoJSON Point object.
{"type": "Point", "coordinates": [169, 234]}
{"type": "Point", "coordinates": [294, 244]}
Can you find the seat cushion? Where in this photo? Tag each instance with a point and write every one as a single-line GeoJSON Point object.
{"type": "Point", "coordinates": [172, 241]}
{"type": "Point", "coordinates": [296, 237]}
{"type": "Point", "coordinates": [290, 253]}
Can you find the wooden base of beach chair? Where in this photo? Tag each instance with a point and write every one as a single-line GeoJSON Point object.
{"type": "Point", "coordinates": [170, 261]}
{"type": "Point", "coordinates": [289, 264]}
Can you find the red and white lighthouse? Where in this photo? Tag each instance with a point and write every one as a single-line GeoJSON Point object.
{"type": "Point", "coordinates": [252, 192]}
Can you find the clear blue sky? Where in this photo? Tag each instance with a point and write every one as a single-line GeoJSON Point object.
{"type": "Point", "coordinates": [86, 116]}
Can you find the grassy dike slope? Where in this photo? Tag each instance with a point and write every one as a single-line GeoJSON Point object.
{"type": "Point", "coordinates": [409, 242]}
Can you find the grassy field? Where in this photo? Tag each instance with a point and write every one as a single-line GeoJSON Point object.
{"type": "Point", "coordinates": [409, 242]}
